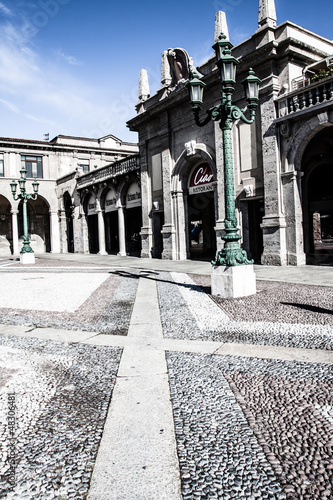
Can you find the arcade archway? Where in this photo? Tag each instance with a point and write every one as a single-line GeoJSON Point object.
{"type": "Point", "coordinates": [318, 199]}
{"type": "Point", "coordinates": [38, 212]}
{"type": "Point", "coordinates": [6, 236]}
{"type": "Point", "coordinates": [92, 223]}
{"type": "Point", "coordinates": [201, 213]}
{"type": "Point", "coordinates": [68, 205]}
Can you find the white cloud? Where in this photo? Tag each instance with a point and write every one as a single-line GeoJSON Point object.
{"type": "Point", "coordinates": [40, 120]}
{"type": "Point", "coordinates": [5, 10]}
{"type": "Point", "coordinates": [12, 107]}
{"type": "Point", "coordinates": [39, 91]}
{"type": "Point", "coordinates": [29, 82]}
{"type": "Point", "coordinates": [238, 36]}
{"type": "Point", "coordinates": [70, 59]}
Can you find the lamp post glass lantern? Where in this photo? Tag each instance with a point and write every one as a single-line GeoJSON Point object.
{"type": "Point", "coordinates": [24, 196]}
{"type": "Point", "coordinates": [226, 113]}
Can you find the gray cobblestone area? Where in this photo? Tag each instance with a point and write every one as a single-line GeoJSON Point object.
{"type": "Point", "coordinates": [250, 428]}
{"type": "Point", "coordinates": [178, 293]}
{"type": "Point", "coordinates": [61, 394]}
{"type": "Point", "coordinates": [282, 302]}
{"type": "Point", "coordinates": [108, 310]}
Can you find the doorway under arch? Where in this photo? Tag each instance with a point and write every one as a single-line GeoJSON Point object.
{"type": "Point", "coordinates": [68, 205]}
{"type": "Point", "coordinates": [6, 235]}
{"type": "Point", "coordinates": [318, 199]}
{"type": "Point", "coordinates": [201, 213]}
{"type": "Point", "coordinates": [38, 224]}
{"type": "Point", "coordinates": [92, 223]}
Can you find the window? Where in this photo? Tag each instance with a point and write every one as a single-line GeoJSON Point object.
{"type": "Point", "coordinates": [84, 166]}
{"type": "Point", "coordinates": [2, 173]}
{"type": "Point", "coordinates": [34, 166]}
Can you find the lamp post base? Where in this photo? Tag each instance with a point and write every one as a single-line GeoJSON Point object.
{"type": "Point", "coordinates": [233, 282]}
{"type": "Point", "coordinates": [27, 258]}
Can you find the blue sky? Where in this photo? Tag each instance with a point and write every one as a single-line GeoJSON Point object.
{"type": "Point", "coordinates": [71, 66]}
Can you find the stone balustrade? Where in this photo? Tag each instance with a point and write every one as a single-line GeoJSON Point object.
{"type": "Point", "coordinates": [305, 98]}
{"type": "Point", "coordinates": [118, 168]}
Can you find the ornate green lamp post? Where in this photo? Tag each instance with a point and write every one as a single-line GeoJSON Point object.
{"type": "Point", "coordinates": [226, 113]}
{"type": "Point", "coordinates": [27, 253]}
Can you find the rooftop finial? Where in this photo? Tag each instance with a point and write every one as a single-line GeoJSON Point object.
{"type": "Point", "coordinates": [143, 85]}
{"type": "Point", "coordinates": [220, 25]}
{"type": "Point", "coordinates": [267, 13]}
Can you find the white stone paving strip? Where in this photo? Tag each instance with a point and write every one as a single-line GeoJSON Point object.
{"type": "Point", "coordinates": [205, 311]}
{"type": "Point", "coordinates": [137, 458]}
{"type": "Point", "coordinates": [62, 292]}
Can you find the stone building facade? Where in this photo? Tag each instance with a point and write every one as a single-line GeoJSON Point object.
{"type": "Point", "coordinates": [164, 198]}
{"type": "Point", "coordinates": [282, 163]}
{"type": "Point", "coordinates": [59, 219]}
{"type": "Point", "coordinates": [100, 211]}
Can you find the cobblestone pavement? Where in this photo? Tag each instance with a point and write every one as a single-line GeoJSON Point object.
{"type": "Point", "coordinates": [249, 428]}
{"type": "Point", "coordinates": [56, 396]}
{"type": "Point", "coordinates": [245, 427]}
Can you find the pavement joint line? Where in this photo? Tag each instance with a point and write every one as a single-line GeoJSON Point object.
{"type": "Point", "coordinates": [176, 345]}
{"type": "Point", "coordinates": [141, 462]}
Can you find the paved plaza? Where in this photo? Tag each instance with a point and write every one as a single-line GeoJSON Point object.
{"type": "Point", "coordinates": [122, 378]}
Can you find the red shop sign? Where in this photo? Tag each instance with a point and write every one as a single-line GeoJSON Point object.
{"type": "Point", "coordinates": [202, 179]}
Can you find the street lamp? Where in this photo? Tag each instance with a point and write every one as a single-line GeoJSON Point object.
{"type": "Point", "coordinates": [26, 248]}
{"type": "Point", "coordinates": [226, 113]}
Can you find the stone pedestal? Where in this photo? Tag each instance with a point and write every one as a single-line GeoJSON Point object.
{"type": "Point", "coordinates": [27, 258]}
{"type": "Point", "coordinates": [233, 282]}
{"type": "Point", "coordinates": [4, 246]}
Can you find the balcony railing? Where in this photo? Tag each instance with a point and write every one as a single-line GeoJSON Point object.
{"type": "Point", "coordinates": [119, 168]}
{"type": "Point", "coordinates": [305, 98]}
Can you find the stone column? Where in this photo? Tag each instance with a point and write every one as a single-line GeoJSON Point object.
{"type": "Point", "coordinates": [146, 200]}
{"type": "Point", "coordinates": [179, 211]}
{"type": "Point", "coordinates": [294, 218]}
{"type": "Point", "coordinates": [101, 232]}
{"type": "Point", "coordinates": [63, 231]}
{"type": "Point", "coordinates": [168, 231]}
{"type": "Point", "coordinates": [16, 249]}
{"type": "Point", "coordinates": [273, 223]}
{"type": "Point", "coordinates": [121, 231]}
{"type": "Point", "coordinates": [54, 232]}
{"type": "Point", "coordinates": [81, 235]}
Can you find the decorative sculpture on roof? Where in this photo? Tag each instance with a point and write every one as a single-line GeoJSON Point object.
{"type": "Point", "coordinates": [177, 68]}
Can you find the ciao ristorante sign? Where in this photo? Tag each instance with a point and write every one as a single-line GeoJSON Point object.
{"type": "Point", "coordinates": [201, 180]}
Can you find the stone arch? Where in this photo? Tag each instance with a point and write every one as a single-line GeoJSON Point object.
{"type": "Point", "coordinates": [317, 199]}
{"type": "Point", "coordinates": [132, 210]}
{"type": "Point", "coordinates": [299, 142]}
{"type": "Point", "coordinates": [109, 200]}
{"type": "Point", "coordinates": [85, 199]}
{"type": "Point", "coordinates": [124, 184]}
{"type": "Point", "coordinates": [89, 198]}
{"type": "Point", "coordinates": [39, 227]}
{"type": "Point", "coordinates": [194, 211]}
{"type": "Point", "coordinates": [187, 161]}
{"type": "Point", "coordinates": [102, 194]}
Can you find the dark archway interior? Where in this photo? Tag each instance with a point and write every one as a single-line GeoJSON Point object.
{"type": "Point", "coordinates": [69, 222]}
{"type": "Point", "coordinates": [38, 221]}
{"type": "Point", "coordinates": [317, 165]}
{"type": "Point", "coordinates": [5, 221]}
